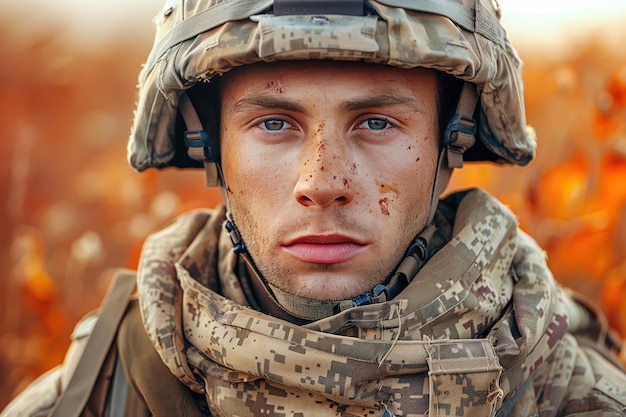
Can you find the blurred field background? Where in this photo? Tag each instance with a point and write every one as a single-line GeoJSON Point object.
{"type": "Point", "coordinates": [72, 210]}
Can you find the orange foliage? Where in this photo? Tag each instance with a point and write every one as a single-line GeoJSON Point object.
{"type": "Point", "coordinates": [572, 198]}
{"type": "Point", "coordinates": [608, 116]}
{"type": "Point", "coordinates": [560, 191]}
{"type": "Point", "coordinates": [74, 210]}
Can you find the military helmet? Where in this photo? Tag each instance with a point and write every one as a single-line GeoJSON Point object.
{"type": "Point", "coordinates": [197, 40]}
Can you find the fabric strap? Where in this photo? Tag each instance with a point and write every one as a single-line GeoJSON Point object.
{"type": "Point", "coordinates": [462, 14]}
{"type": "Point", "coordinates": [231, 10]}
{"type": "Point", "coordinates": [82, 382]}
{"type": "Point", "coordinates": [451, 155]}
{"type": "Point", "coordinates": [208, 19]}
{"type": "Point", "coordinates": [197, 151]}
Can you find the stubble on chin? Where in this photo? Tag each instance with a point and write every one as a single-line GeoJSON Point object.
{"type": "Point", "coordinates": [314, 281]}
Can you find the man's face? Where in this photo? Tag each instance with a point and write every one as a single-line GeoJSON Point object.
{"type": "Point", "coordinates": [329, 168]}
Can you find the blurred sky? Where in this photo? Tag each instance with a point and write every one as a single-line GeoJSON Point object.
{"type": "Point", "coordinates": [538, 23]}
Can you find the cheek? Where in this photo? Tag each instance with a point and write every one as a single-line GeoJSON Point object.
{"type": "Point", "coordinates": [404, 183]}
{"type": "Point", "coordinates": [424, 156]}
{"type": "Point", "coordinates": [253, 177]}
{"type": "Point", "coordinates": [235, 156]}
{"type": "Point", "coordinates": [231, 169]}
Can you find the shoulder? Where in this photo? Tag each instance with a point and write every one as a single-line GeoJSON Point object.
{"type": "Point", "coordinates": [42, 395]}
{"type": "Point", "coordinates": [595, 384]}
{"type": "Point", "coordinates": [38, 398]}
{"type": "Point", "coordinates": [602, 384]}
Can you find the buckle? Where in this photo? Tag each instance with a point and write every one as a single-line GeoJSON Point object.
{"type": "Point", "coordinates": [235, 237]}
{"type": "Point", "coordinates": [459, 123]}
{"type": "Point", "coordinates": [195, 139]}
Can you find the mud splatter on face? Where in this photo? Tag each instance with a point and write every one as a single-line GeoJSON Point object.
{"type": "Point", "coordinates": [321, 146]}
{"type": "Point", "coordinates": [384, 188]}
{"type": "Point", "coordinates": [384, 206]}
{"type": "Point", "coordinates": [275, 86]}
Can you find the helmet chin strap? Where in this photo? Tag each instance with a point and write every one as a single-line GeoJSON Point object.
{"type": "Point", "coordinates": [200, 146]}
{"type": "Point", "coordinates": [457, 138]}
{"type": "Point", "coordinates": [302, 310]}
{"type": "Point", "coordinates": [205, 149]}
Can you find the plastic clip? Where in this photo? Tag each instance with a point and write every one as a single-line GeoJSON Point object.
{"type": "Point", "coordinates": [196, 139]}
{"type": "Point", "coordinates": [459, 123]}
{"type": "Point", "coordinates": [235, 237]}
{"type": "Point", "coordinates": [371, 297]}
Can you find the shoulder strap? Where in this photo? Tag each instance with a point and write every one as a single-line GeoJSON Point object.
{"type": "Point", "coordinates": [76, 395]}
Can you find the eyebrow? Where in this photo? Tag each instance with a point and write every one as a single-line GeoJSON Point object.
{"type": "Point", "coordinates": [268, 101]}
{"type": "Point", "coordinates": [382, 100]}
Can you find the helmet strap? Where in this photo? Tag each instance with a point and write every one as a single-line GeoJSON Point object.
{"type": "Point", "coordinates": [459, 136]}
{"type": "Point", "coordinates": [199, 145]}
{"type": "Point", "coordinates": [202, 148]}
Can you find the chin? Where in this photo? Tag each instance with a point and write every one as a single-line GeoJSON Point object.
{"type": "Point", "coordinates": [330, 288]}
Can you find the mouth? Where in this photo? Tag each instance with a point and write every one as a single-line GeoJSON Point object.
{"type": "Point", "coordinates": [324, 249]}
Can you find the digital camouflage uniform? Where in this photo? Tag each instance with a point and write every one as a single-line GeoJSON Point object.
{"type": "Point", "coordinates": [462, 339]}
{"type": "Point", "coordinates": [475, 326]}
{"type": "Point", "coordinates": [490, 332]}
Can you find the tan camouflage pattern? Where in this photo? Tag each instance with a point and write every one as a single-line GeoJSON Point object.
{"type": "Point", "coordinates": [486, 335]}
{"type": "Point", "coordinates": [461, 340]}
{"type": "Point", "coordinates": [464, 38]}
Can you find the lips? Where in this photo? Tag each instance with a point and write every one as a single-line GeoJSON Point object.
{"type": "Point", "coordinates": [324, 249]}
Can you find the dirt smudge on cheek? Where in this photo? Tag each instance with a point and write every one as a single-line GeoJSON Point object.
{"type": "Point", "coordinates": [384, 188]}
{"type": "Point", "coordinates": [384, 206]}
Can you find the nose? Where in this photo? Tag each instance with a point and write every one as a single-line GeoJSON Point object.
{"type": "Point", "coordinates": [325, 173]}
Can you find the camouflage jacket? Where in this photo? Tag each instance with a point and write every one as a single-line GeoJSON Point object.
{"type": "Point", "coordinates": [482, 329]}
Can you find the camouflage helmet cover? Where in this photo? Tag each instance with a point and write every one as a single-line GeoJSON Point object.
{"type": "Point", "coordinates": [199, 39]}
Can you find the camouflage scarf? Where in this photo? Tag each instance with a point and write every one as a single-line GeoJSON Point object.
{"type": "Point", "coordinates": [460, 339]}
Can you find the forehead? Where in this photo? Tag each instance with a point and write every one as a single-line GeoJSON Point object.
{"type": "Point", "coordinates": [287, 77]}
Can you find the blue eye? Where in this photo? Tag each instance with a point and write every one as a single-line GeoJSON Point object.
{"type": "Point", "coordinates": [274, 124]}
{"type": "Point", "coordinates": [377, 124]}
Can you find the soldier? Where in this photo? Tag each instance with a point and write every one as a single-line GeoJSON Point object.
{"type": "Point", "coordinates": [334, 281]}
